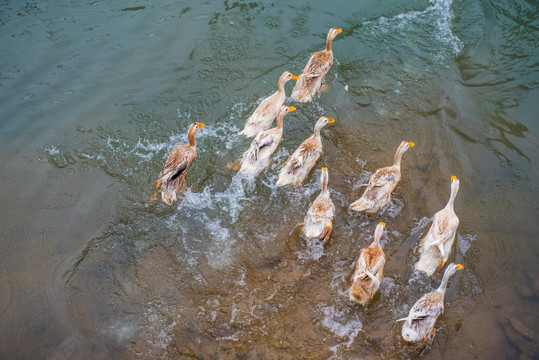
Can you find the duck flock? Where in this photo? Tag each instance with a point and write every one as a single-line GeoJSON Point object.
{"type": "Point", "coordinates": [434, 247]}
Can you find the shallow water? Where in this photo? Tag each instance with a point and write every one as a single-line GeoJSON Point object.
{"type": "Point", "coordinates": [93, 96]}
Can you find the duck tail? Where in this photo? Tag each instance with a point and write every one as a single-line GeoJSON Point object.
{"type": "Point", "coordinates": [359, 205]}
{"type": "Point", "coordinates": [427, 263]}
{"type": "Point", "coordinates": [153, 197]}
{"type": "Point", "coordinates": [306, 88]}
{"type": "Point", "coordinates": [282, 179]}
{"type": "Point", "coordinates": [168, 193]}
{"type": "Point", "coordinates": [429, 260]}
{"type": "Point", "coordinates": [358, 294]}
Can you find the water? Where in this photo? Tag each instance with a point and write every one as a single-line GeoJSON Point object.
{"type": "Point", "coordinates": [94, 95]}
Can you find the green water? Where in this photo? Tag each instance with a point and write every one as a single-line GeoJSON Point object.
{"type": "Point", "coordinates": [94, 95]}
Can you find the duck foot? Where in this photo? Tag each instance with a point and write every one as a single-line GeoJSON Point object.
{"type": "Point", "coordinates": [327, 234]}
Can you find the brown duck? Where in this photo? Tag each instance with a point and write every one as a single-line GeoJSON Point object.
{"type": "Point", "coordinates": [369, 271]}
{"type": "Point", "coordinates": [172, 177]}
{"type": "Point", "coordinates": [311, 81]}
{"type": "Point", "coordinates": [300, 163]}
{"type": "Point", "coordinates": [381, 184]}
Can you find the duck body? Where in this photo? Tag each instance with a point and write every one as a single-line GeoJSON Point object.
{"type": "Point", "coordinates": [419, 324]}
{"type": "Point", "coordinates": [369, 271]}
{"type": "Point", "coordinates": [311, 81]}
{"type": "Point", "coordinates": [268, 109]}
{"type": "Point", "coordinates": [423, 316]}
{"type": "Point", "coordinates": [171, 180]}
{"type": "Point", "coordinates": [435, 247]}
{"type": "Point", "coordinates": [318, 223]}
{"type": "Point", "coordinates": [300, 163]}
{"type": "Point", "coordinates": [258, 156]}
{"type": "Point", "coordinates": [381, 184]}
{"type": "Point", "coordinates": [378, 192]}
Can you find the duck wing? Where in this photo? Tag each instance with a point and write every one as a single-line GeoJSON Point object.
{"type": "Point", "coordinates": [445, 225]}
{"type": "Point", "coordinates": [322, 208]}
{"type": "Point", "coordinates": [384, 176]}
{"type": "Point", "coordinates": [178, 162]}
{"type": "Point", "coordinates": [319, 64]}
{"type": "Point", "coordinates": [371, 259]}
{"type": "Point", "coordinates": [262, 140]}
{"type": "Point", "coordinates": [267, 108]}
{"type": "Point", "coordinates": [429, 306]}
{"type": "Point", "coordinates": [308, 150]}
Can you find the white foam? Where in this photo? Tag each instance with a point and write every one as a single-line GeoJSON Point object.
{"type": "Point", "coordinates": [149, 149]}
{"type": "Point", "coordinates": [394, 208]}
{"type": "Point", "coordinates": [314, 250]}
{"type": "Point", "coordinates": [421, 225]}
{"type": "Point", "coordinates": [162, 319]}
{"type": "Point", "coordinates": [220, 254]}
{"type": "Point", "coordinates": [53, 150]}
{"type": "Point", "coordinates": [444, 18]}
{"type": "Point", "coordinates": [341, 323]}
{"type": "Point", "coordinates": [464, 242]}
{"type": "Point", "coordinates": [439, 12]}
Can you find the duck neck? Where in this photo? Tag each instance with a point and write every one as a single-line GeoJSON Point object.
{"type": "Point", "coordinates": [328, 43]}
{"type": "Point", "coordinates": [280, 85]}
{"type": "Point", "coordinates": [443, 284]}
{"type": "Point", "coordinates": [280, 121]}
{"type": "Point", "coordinates": [378, 236]}
{"type": "Point", "coordinates": [325, 179]}
{"type": "Point", "coordinates": [451, 201]}
{"type": "Point", "coordinates": [191, 136]}
{"type": "Point", "coordinates": [317, 129]}
{"type": "Point", "coordinates": [398, 157]}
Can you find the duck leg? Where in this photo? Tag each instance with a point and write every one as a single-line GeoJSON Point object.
{"type": "Point", "coordinates": [154, 195]}
{"type": "Point", "coordinates": [327, 234]}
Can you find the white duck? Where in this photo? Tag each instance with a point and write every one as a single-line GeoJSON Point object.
{"type": "Point", "coordinates": [369, 271]}
{"type": "Point", "coordinates": [436, 245]}
{"type": "Point", "coordinates": [419, 324]}
{"type": "Point", "coordinates": [257, 157]}
{"type": "Point", "coordinates": [300, 163]}
{"type": "Point", "coordinates": [319, 219]}
{"type": "Point", "coordinates": [381, 184]}
{"type": "Point", "coordinates": [267, 110]}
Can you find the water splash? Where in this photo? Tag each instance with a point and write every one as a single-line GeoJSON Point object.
{"type": "Point", "coordinates": [444, 18]}
{"type": "Point", "coordinates": [314, 250]}
{"type": "Point", "coordinates": [438, 13]}
{"type": "Point", "coordinates": [464, 242]}
{"type": "Point", "coordinates": [342, 324]}
{"type": "Point", "coordinates": [161, 321]}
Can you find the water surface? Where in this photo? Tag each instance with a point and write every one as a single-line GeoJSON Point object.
{"type": "Point", "coordinates": [93, 96]}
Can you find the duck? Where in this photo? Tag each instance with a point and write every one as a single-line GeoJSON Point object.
{"type": "Point", "coordinates": [257, 157]}
{"type": "Point", "coordinates": [311, 80]}
{"type": "Point", "coordinates": [318, 223]}
{"type": "Point", "coordinates": [267, 110]}
{"type": "Point", "coordinates": [369, 271]}
{"type": "Point", "coordinates": [300, 163]}
{"type": "Point", "coordinates": [419, 324]}
{"type": "Point", "coordinates": [172, 177]}
{"type": "Point", "coordinates": [435, 247]}
{"type": "Point", "coordinates": [381, 184]}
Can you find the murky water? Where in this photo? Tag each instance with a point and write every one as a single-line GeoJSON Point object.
{"type": "Point", "coordinates": [93, 96]}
